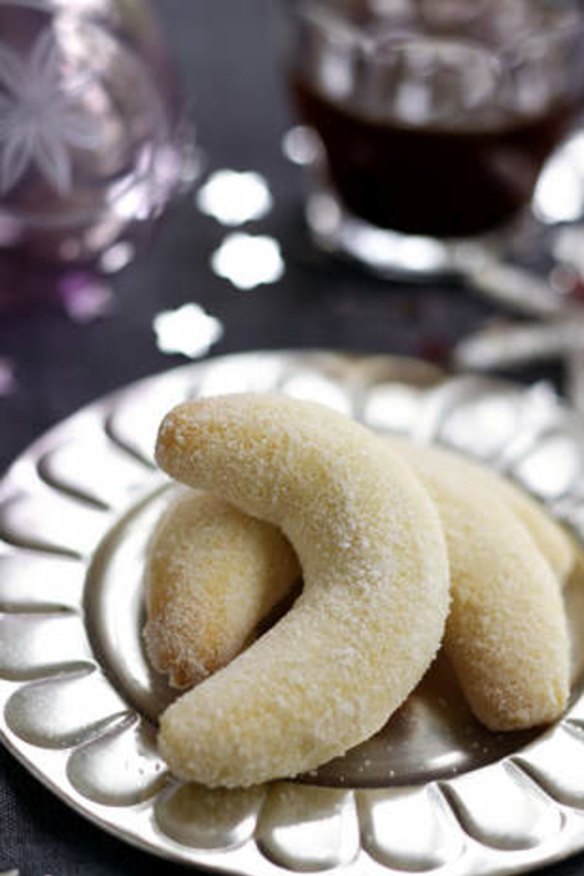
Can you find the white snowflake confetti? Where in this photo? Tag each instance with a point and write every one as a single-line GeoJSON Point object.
{"type": "Point", "coordinates": [39, 120]}
{"type": "Point", "coordinates": [189, 330]}
{"type": "Point", "coordinates": [248, 260]}
{"type": "Point", "coordinates": [233, 197]}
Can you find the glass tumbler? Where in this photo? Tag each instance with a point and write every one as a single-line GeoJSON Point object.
{"type": "Point", "coordinates": [431, 119]}
{"type": "Point", "coordinates": [94, 139]}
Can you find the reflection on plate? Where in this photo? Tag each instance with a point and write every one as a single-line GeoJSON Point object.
{"type": "Point", "coordinates": [79, 701]}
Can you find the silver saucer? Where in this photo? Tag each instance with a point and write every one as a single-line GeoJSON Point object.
{"type": "Point", "coordinates": [78, 700]}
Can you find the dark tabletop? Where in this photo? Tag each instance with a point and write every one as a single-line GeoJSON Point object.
{"type": "Point", "coordinates": [227, 59]}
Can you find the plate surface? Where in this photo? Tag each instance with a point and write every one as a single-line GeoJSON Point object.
{"type": "Point", "coordinates": [78, 700]}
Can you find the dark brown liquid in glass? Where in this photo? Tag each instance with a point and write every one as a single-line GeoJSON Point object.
{"type": "Point", "coordinates": [432, 181]}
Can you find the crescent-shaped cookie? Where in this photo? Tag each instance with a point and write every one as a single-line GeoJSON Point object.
{"type": "Point", "coordinates": [506, 633]}
{"type": "Point", "coordinates": [212, 575]}
{"type": "Point", "coordinates": [370, 618]}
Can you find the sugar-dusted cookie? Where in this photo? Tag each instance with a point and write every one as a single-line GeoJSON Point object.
{"type": "Point", "coordinates": [506, 633]}
{"type": "Point", "coordinates": [370, 618]}
{"type": "Point", "coordinates": [212, 575]}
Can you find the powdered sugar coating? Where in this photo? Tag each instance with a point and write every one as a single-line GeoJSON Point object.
{"type": "Point", "coordinates": [212, 575]}
{"type": "Point", "coordinates": [551, 539]}
{"type": "Point", "coordinates": [506, 633]}
{"type": "Point", "coordinates": [371, 616]}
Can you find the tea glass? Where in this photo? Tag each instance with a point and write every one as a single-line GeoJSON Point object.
{"type": "Point", "coordinates": [428, 123]}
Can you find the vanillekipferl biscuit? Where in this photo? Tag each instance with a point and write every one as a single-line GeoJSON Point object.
{"type": "Point", "coordinates": [307, 471]}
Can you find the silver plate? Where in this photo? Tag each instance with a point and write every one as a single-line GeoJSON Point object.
{"type": "Point", "coordinates": [78, 701]}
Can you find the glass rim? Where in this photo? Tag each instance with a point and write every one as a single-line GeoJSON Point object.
{"type": "Point", "coordinates": [358, 35]}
